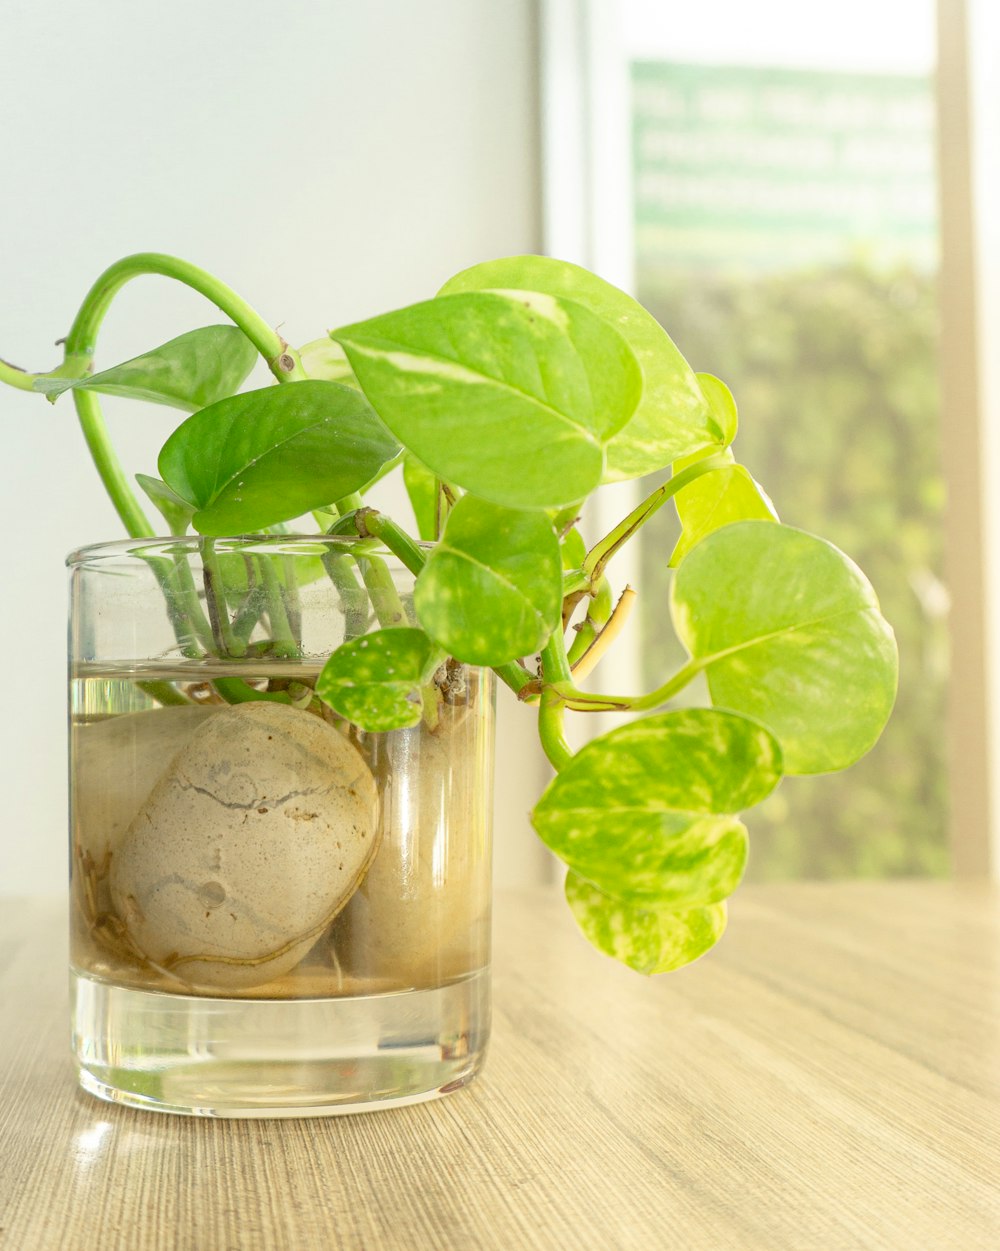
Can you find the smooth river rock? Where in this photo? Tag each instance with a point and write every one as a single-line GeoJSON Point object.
{"type": "Point", "coordinates": [116, 763]}
{"type": "Point", "coordinates": [253, 839]}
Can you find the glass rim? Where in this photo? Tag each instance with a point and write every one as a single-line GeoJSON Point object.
{"type": "Point", "coordinates": [191, 544]}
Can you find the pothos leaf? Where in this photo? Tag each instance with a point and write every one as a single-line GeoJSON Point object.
{"type": "Point", "coordinates": [647, 812]}
{"type": "Point", "coordinates": [422, 488]}
{"type": "Point", "coordinates": [177, 513]}
{"type": "Point", "coordinates": [491, 589]}
{"type": "Point", "coordinates": [649, 940]}
{"type": "Point", "coordinates": [511, 396]}
{"type": "Point", "coordinates": [375, 680]}
{"type": "Point", "coordinates": [788, 631]}
{"type": "Point", "coordinates": [189, 372]}
{"type": "Point", "coordinates": [270, 455]}
{"type": "Point", "coordinates": [673, 417]}
{"type": "Point", "coordinates": [715, 500]}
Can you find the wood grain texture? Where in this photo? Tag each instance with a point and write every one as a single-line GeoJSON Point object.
{"type": "Point", "coordinates": [828, 1079]}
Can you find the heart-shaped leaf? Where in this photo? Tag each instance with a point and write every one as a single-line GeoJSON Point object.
{"type": "Point", "coordinates": [270, 455]}
{"type": "Point", "coordinates": [375, 680]}
{"type": "Point", "coordinates": [177, 513]}
{"type": "Point", "coordinates": [511, 396]}
{"type": "Point", "coordinates": [715, 500]}
{"type": "Point", "coordinates": [189, 372]}
{"type": "Point", "coordinates": [672, 418]}
{"type": "Point", "coordinates": [647, 812]}
{"type": "Point", "coordinates": [422, 488]}
{"type": "Point", "coordinates": [788, 631]}
{"type": "Point", "coordinates": [649, 940]}
{"type": "Point", "coordinates": [491, 589]}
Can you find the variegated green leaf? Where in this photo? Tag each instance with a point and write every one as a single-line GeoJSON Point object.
{"type": "Point", "coordinates": [715, 500]}
{"type": "Point", "coordinates": [649, 940]}
{"type": "Point", "coordinates": [788, 631]}
{"type": "Point", "coordinates": [647, 812]}
{"type": "Point", "coordinates": [509, 396]}
{"type": "Point", "coordinates": [491, 589]}
{"type": "Point", "coordinates": [673, 417]}
{"type": "Point", "coordinates": [375, 680]}
{"type": "Point", "coordinates": [190, 372]}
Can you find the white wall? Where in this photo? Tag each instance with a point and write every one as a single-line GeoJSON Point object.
{"type": "Point", "coordinates": [328, 160]}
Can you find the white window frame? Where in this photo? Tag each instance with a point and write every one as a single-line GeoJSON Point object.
{"type": "Point", "coordinates": [969, 176]}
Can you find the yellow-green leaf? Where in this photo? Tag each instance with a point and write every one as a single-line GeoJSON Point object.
{"type": "Point", "coordinates": [788, 631]}
{"type": "Point", "coordinates": [649, 940]}
{"type": "Point", "coordinates": [511, 396]}
{"type": "Point", "coordinates": [673, 417]}
{"type": "Point", "coordinates": [648, 812]}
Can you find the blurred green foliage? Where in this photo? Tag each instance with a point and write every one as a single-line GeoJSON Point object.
{"type": "Point", "coordinates": [835, 374]}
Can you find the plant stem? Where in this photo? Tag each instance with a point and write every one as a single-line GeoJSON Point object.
{"type": "Point", "coordinates": [512, 675]}
{"type": "Point", "coordinates": [385, 599]}
{"type": "Point", "coordinates": [248, 615]}
{"type": "Point", "coordinates": [292, 598]}
{"type": "Point", "coordinates": [81, 344]}
{"type": "Point", "coordinates": [377, 577]}
{"type": "Point", "coordinates": [584, 701]}
{"type": "Point", "coordinates": [164, 694]}
{"type": "Point", "coordinates": [551, 730]}
{"type": "Point", "coordinates": [601, 553]}
{"type": "Point", "coordinates": [236, 691]}
{"type": "Point", "coordinates": [673, 686]}
{"type": "Point", "coordinates": [191, 629]}
{"type": "Point", "coordinates": [444, 502]}
{"type": "Point", "coordinates": [340, 570]}
{"type": "Point", "coordinates": [124, 499]}
{"type": "Point", "coordinates": [370, 523]}
{"type": "Point", "coordinates": [277, 612]}
{"type": "Point", "coordinates": [16, 377]}
{"type": "Point", "coordinates": [81, 340]}
{"type": "Point", "coordinates": [575, 583]}
{"type": "Point", "coordinates": [551, 714]}
{"type": "Point", "coordinates": [598, 613]}
{"type": "Point", "coordinates": [226, 640]}
{"type": "Point", "coordinates": [605, 637]}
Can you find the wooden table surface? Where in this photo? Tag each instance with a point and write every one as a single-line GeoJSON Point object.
{"type": "Point", "coordinates": [828, 1079]}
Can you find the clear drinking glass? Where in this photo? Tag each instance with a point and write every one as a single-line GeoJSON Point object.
{"type": "Point", "coordinates": [273, 912]}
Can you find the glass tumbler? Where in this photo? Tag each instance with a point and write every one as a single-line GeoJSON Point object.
{"type": "Point", "coordinates": [274, 913]}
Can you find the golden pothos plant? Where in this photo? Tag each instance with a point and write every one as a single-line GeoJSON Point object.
{"type": "Point", "coordinates": [506, 400]}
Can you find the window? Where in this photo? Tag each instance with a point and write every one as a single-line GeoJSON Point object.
{"type": "Point", "coordinates": [779, 217]}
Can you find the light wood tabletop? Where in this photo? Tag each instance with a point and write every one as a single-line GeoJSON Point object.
{"type": "Point", "coordinates": [827, 1079]}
